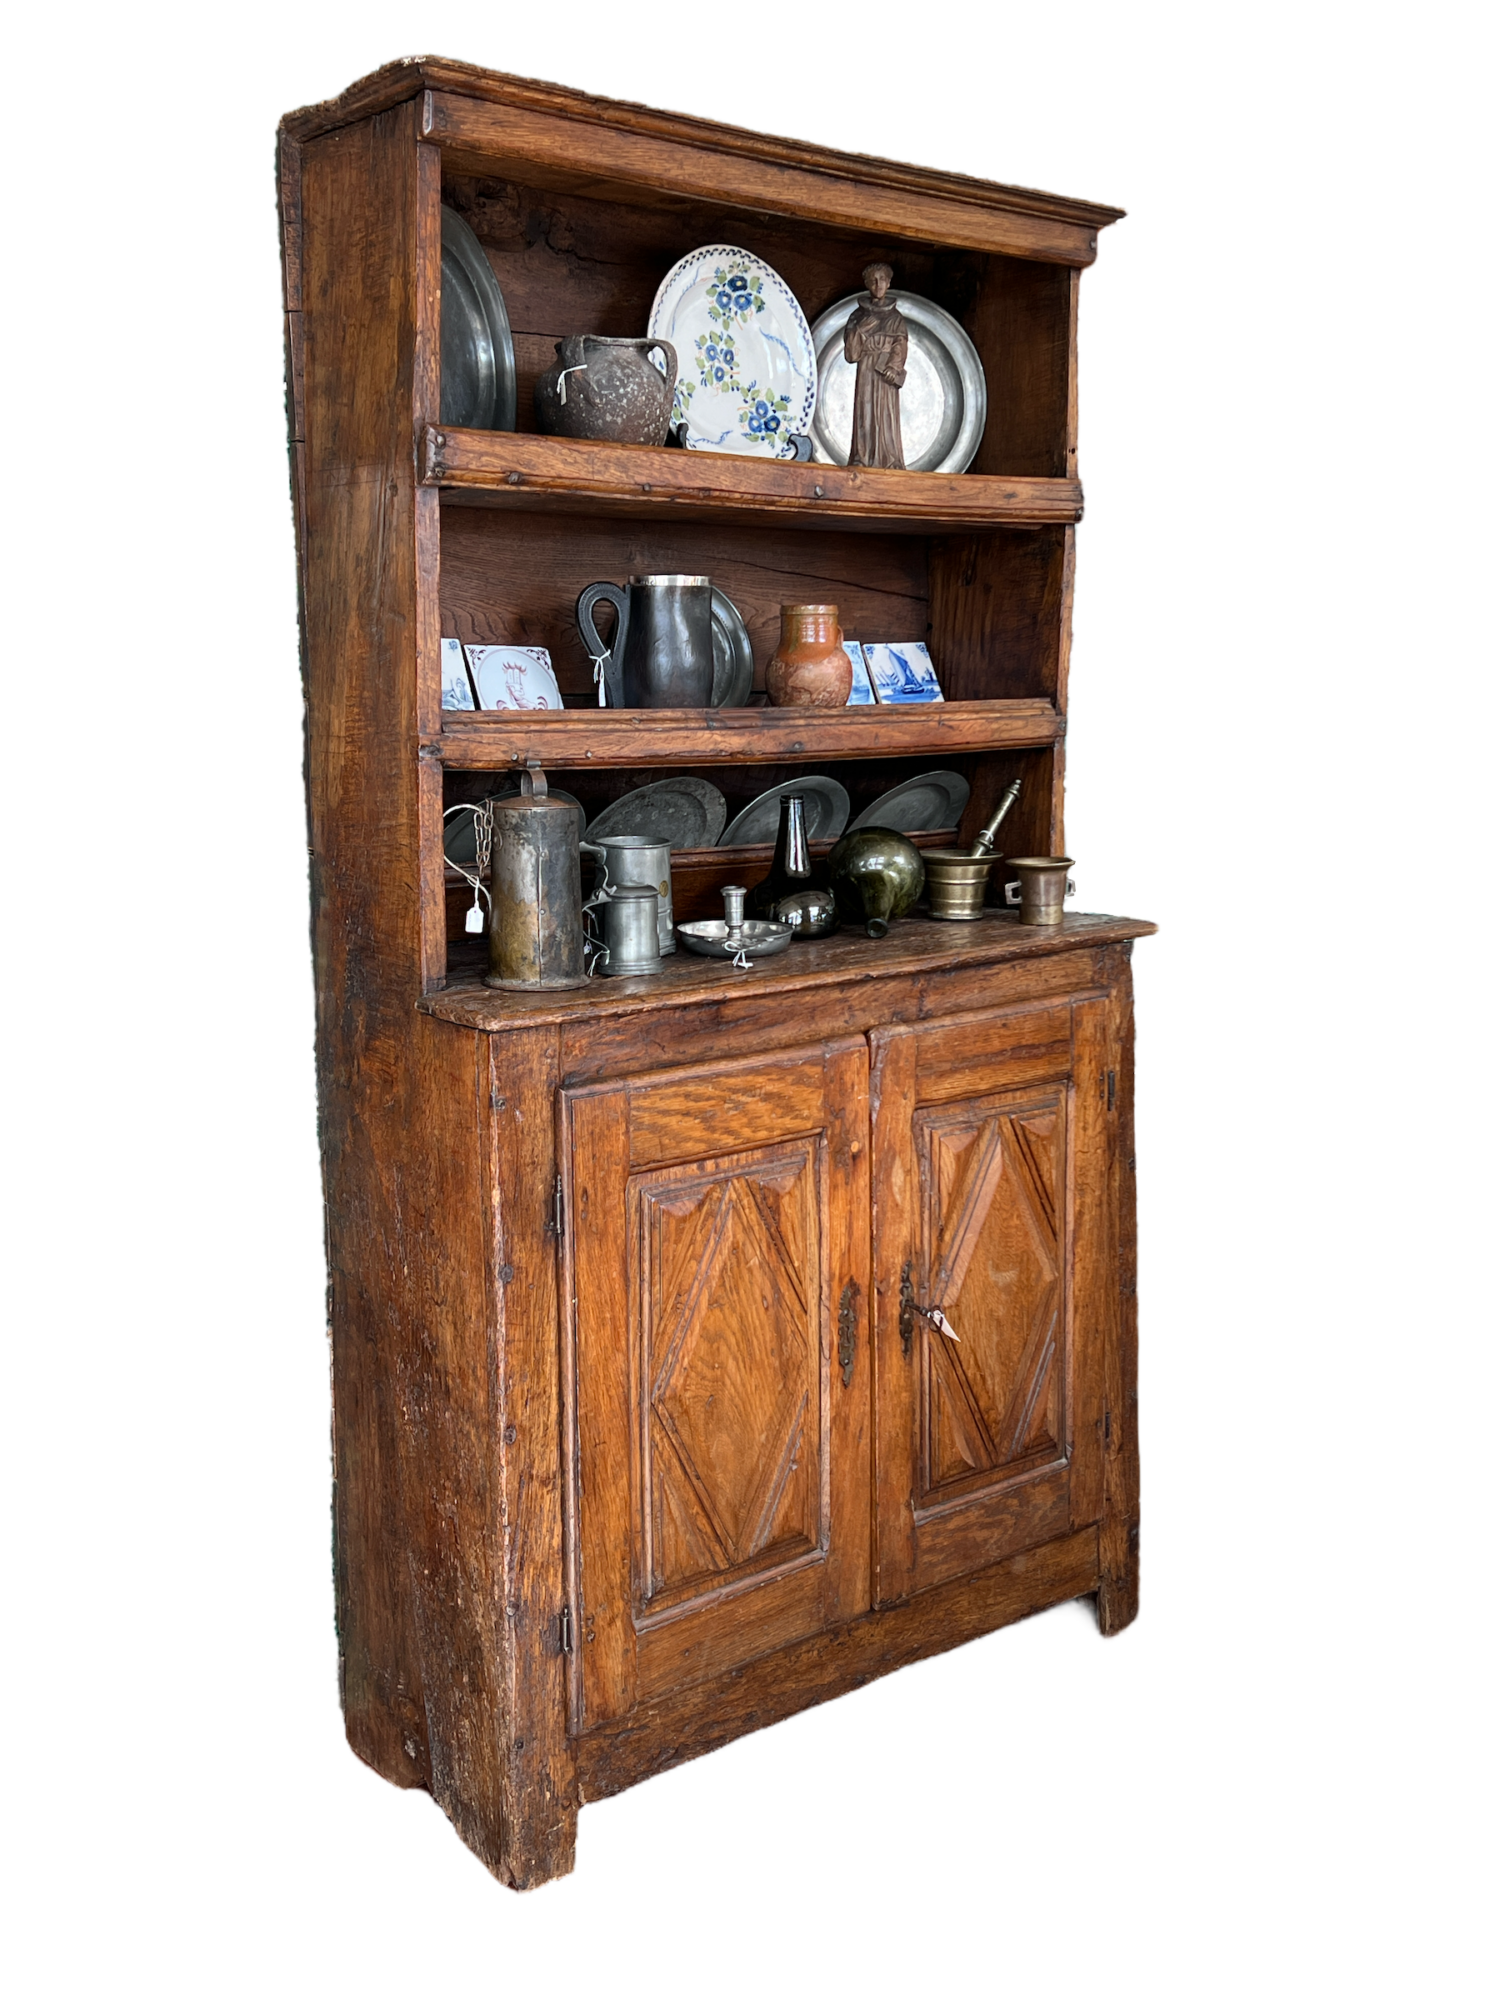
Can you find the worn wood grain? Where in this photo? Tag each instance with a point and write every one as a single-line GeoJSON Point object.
{"type": "Point", "coordinates": [764, 1019]}
{"type": "Point", "coordinates": [484, 138]}
{"type": "Point", "coordinates": [356, 220]}
{"type": "Point", "coordinates": [401, 80]}
{"type": "Point", "coordinates": [514, 470]}
{"type": "Point", "coordinates": [584, 738]}
{"type": "Point", "coordinates": [720, 1469]}
{"type": "Point", "coordinates": [514, 580]}
{"type": "Point", "coordinates": [914, 946]}
{"type": "Point", "coordinates": [976, 1144]}
{"type": "Point", "coordinates": [1120, 1532]}
{"type": "Point", "coordinates": [677, 1727]}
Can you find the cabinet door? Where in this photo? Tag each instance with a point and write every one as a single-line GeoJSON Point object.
{"type": "Point", "coordinates": [717, 1245]}
{"type": "Point", "coordinates": [993, 1249]}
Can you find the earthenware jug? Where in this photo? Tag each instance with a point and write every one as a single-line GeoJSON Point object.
{"type": "Point", "coordinates": [606, 386]}
{"type": "Point", "coordinates": [877, 876]}
{"type": "Point", "coordinates": [809, 668]}
{"type": "Point", "coordinates": [662, 654]}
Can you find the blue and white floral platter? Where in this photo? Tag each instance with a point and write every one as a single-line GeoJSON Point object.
{"type": "Point", "coordinates": [747, 374]}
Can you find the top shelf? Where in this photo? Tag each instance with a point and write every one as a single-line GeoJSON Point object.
{"type": "Point", "coordinates": [514, 469]}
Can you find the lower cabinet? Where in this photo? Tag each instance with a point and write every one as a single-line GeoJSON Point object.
{"type": "Point", "coordinates": [837, 1329]}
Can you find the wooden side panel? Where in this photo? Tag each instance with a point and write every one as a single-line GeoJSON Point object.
{"type": "Point", "coordinates": [1022, 324]}
{"type": "Point", "coordinates": [448, 1544]}
{"type": "Point", "coordinates": [998, 612]}
{"type": "Point", "coordinates": [595, 1151]}
{"type": "Point", "coordinates": [538, 1803]}
{"type": "Point", "coordinates": [1120, 1532]}
{"type": "Point", "coordinates": [358, 213]}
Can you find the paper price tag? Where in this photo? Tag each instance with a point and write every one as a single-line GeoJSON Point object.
{"type": "Point", "coordinates": [940, 1320]}
{"type": "Point", "coordinates": [473, 918]}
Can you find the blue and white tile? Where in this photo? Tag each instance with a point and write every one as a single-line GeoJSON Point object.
{"type": "Point", "coordinates": [457, 693]}
{"type": "Point", "coordinates": [902, 674]}
{"type": "Point", "coordinates": [861, 694]}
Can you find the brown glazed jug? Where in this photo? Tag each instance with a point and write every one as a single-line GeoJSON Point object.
{"type": "Point", "coordinates": [810, 668]}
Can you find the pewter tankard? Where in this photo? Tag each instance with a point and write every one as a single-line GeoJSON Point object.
{"type": "Point", "coordinates": [662, 655]}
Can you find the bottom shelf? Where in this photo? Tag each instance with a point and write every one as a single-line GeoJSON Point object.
{"type": "Point", "coordinates": [916, 944]}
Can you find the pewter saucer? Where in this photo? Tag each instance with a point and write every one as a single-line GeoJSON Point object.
{"type": "Point", "coordinates": [755, 939]}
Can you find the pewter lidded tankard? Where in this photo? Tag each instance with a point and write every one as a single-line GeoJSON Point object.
{"type": "Point", "coordinates": [662, 655]}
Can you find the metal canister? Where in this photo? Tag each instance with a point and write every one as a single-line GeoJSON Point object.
{"type": "Point", "coordinates": [536, 895]}
{"type": "Point", "coordinates": [627, 920]}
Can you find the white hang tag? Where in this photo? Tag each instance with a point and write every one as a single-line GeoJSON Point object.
{"type": "Point", "coordinates": [473, 918]}
{"type": "Point", "coordinates": [940, 1320]}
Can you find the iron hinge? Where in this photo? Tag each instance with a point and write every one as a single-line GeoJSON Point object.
{"type": "Point", "coordinates": [1110, 1105]}
{"type": "Point", "coordinates": [1106, 1426]}
{"type": "Point", "coordinates": [557, 1208]}
{"type": "Point", "coordinates": [565, 1630]}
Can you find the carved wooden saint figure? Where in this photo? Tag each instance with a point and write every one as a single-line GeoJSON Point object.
{"type": "Point", "coordinates": [875, 341]}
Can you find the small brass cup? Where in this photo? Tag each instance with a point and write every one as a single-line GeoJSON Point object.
{"type": "Point", "coordinates": [956, 883]}
{"type": "Point", "coordinates": [1043, 885]}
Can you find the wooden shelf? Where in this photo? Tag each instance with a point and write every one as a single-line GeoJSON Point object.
{"type": "Point", "coordinates": [914, 945]}
{"type": "Point", "coordinates": [513, 469]}
{"type": "Point", "coordinates": [603, 739]}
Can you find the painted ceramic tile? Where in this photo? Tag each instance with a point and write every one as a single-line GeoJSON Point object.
{"type": "Point", "coordinates": [861, 694]}
{"type": "Point", "coordinates": [457, 692]}
{"type": "Point", "coordinates": [514, 677]}
{"type": "Point", "coordinates": [902, 673]}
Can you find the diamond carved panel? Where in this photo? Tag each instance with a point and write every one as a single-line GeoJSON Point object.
{"type": "Point", "coordinates": [728, 1370]}
{"type": "Point", "coordinates": [992, 1188]}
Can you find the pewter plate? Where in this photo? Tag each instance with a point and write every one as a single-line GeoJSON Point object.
{"type": "Point", "coordinates": [921, 805]}
{"type": "Point", "coordinates": [458, 832]}
{"type": "Point", "coordinates": [685, 812]}
{"type": "Point", "coordinates": [734, 662]}
{"type": "Point", "coordinates": [942, 405]}
{"type": "Point", "coordinates": [825, 817]}
{"type": "Point", "coordinates": [478, 356]}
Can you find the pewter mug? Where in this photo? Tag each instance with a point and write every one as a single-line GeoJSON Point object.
{"type": "Point", "coordinates": [1043, 885]}
{"type": "Point", "coordinates": [631, 861]}
{"type": "Point", "coordinates": [627, 923]}
{"type": "Point", "coordinates": [662, 654]}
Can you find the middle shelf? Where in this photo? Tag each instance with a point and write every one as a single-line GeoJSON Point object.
{"type": "Point", "coordinates": [592, 738]}
{"type": "Point", "coordinates": [518, 470]}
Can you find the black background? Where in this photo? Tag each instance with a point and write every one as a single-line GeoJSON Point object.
{"type": "Point", "coordinates": [987, 1783]}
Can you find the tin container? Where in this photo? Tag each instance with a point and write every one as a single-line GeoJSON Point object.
{"type": "Point", "coordinates": [633, 861]}
{"type": "Point", "coordinates": [536, 897]}
{"type": "Point", "coordinates": [627, 925]}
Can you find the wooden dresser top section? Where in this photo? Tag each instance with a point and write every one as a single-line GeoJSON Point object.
{"type": "Point", "coordinates": [487, 122]}
{"type": "Point", "coordinates": [916, 945]}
